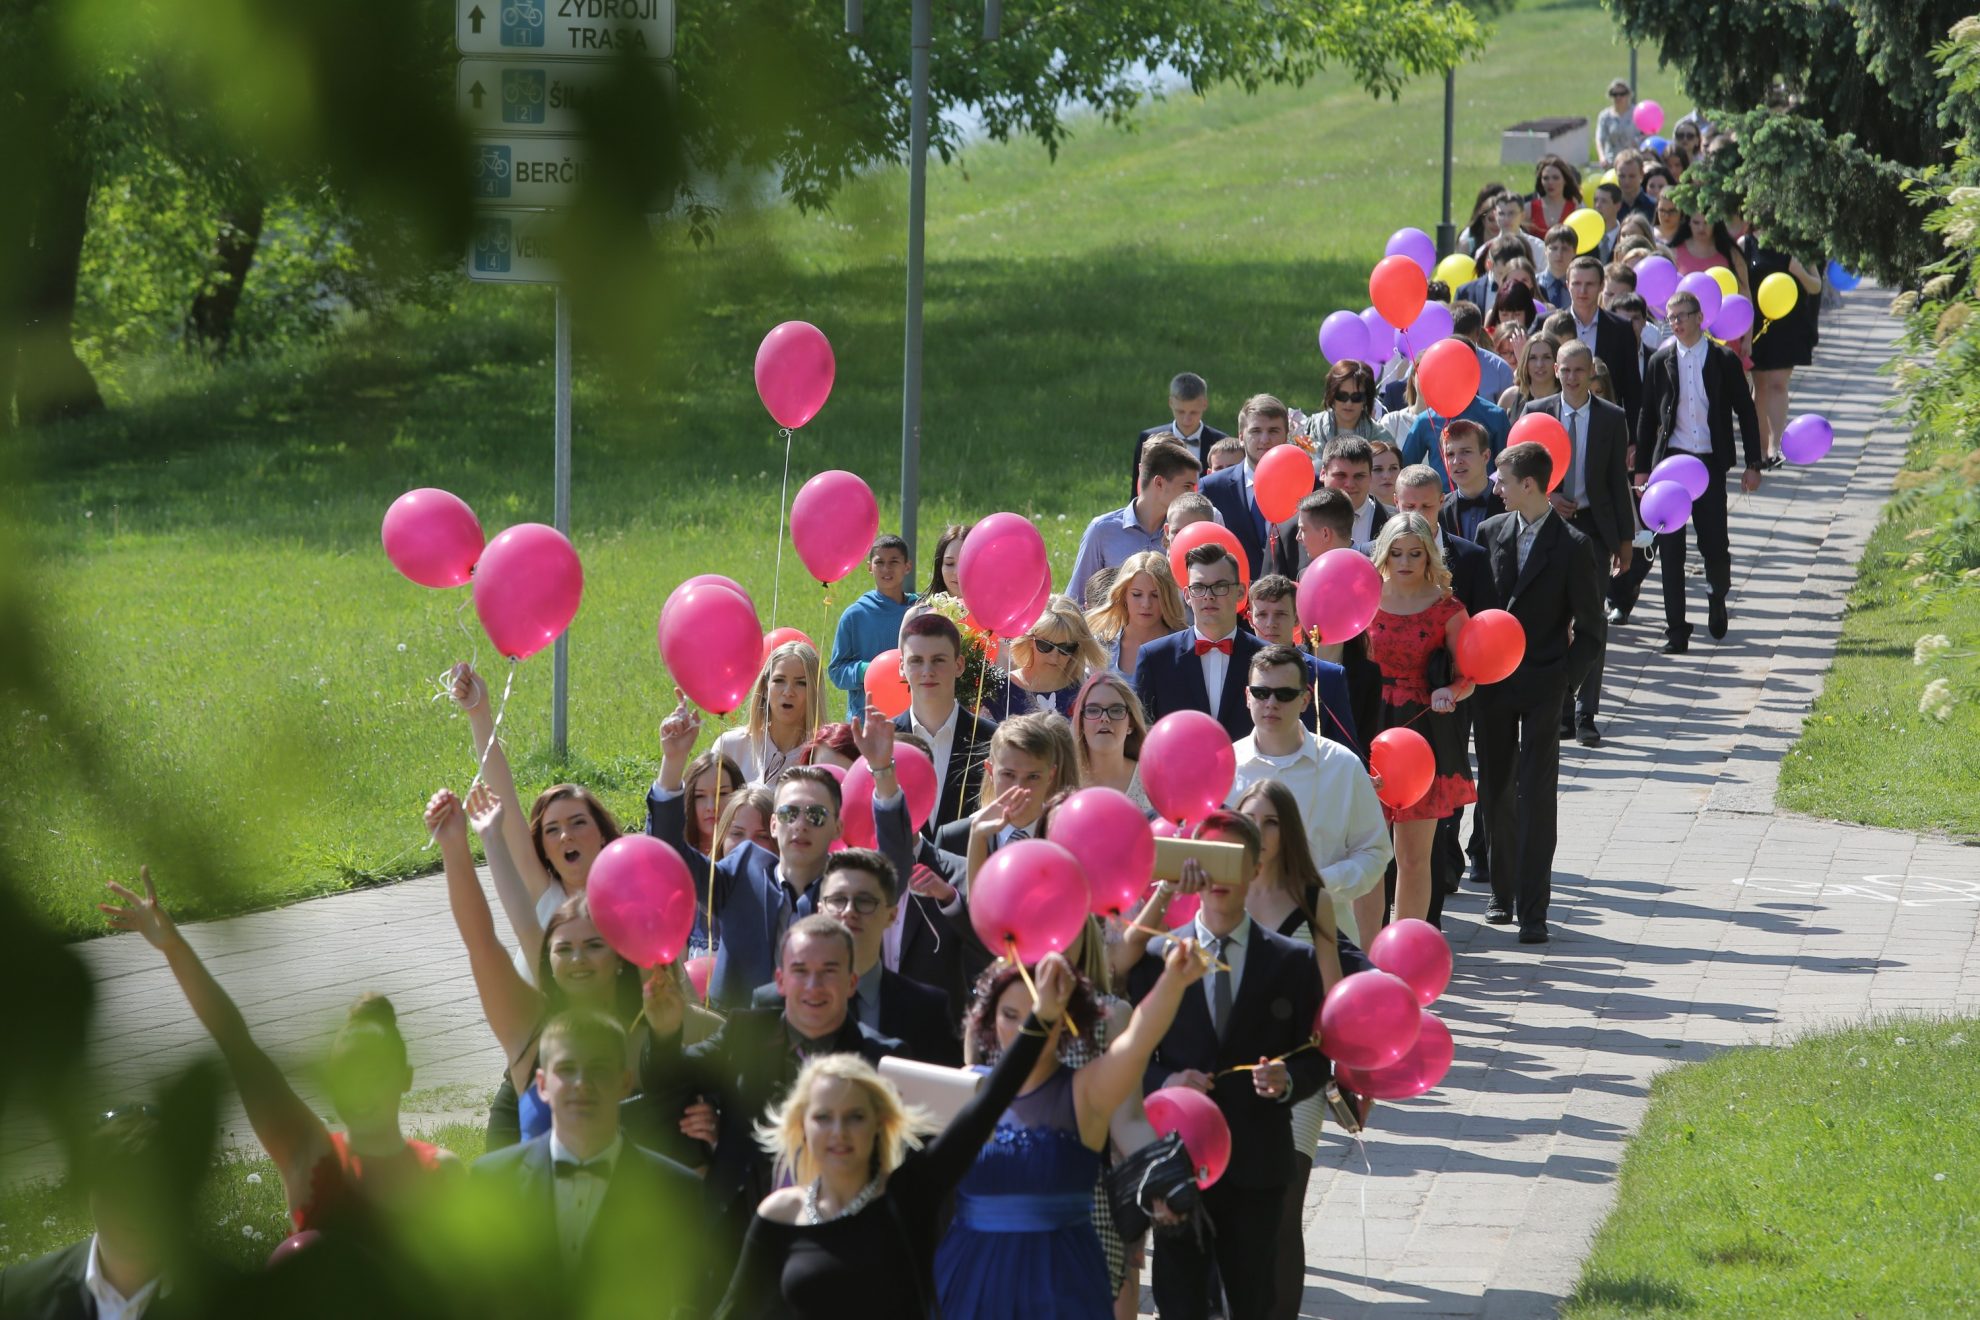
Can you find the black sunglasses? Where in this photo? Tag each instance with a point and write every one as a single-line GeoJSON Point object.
{"type": "Point", "coordinates": [1284, 696]}
{"type": "Point", "coordinates": [814, 815]}
{"type": "Point", "coordinates": [1356, 397]}
{"type": "Point", "coordinates": [1057, 648]}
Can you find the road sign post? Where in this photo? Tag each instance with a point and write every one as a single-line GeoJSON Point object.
{"type": "Point", "coordinates": [570, 28]}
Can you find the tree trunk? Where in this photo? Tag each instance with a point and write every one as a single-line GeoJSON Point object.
{"type": "Point", "coordinates": [51, 384]}
{"type": "Point", "coordinates": [210, 321]}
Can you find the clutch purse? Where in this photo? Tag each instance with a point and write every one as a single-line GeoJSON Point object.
{"type": "Point", "coordinates": [1160, 1170]}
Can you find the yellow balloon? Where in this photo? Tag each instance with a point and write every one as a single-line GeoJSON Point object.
{"type": "Point", "coordinates": [1778, 295]}
{"type": "Point", "coordinates": [1457, 269]}
{"type": "Point", "coordinates": [1724, 279]}
{"type": "Point", "coordinates": [1608, 176]}
{"type": "Point", "coordinates": [1587, 227]}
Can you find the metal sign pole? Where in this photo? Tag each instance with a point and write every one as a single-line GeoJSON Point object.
{"type": "Point", "coordinates": [1446, 231]}
{"type": "Point", "coordinates": [921, 35]}
{"type": "Point", "coordinates": [560, 661]}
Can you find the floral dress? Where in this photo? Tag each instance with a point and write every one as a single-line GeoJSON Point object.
{"type": "Point", "coordinates": [1401, 645]}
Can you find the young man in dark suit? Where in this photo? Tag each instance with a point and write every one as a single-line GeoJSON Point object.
{"type": "Point", "coordinates": [1695, 392]}
{"type": "Point", "coordinates": [1202, 667]}
{"type": "Point", "coordinates": [931, 661]}
{"type": "Point", "coordinates": [1189, 399]}
{"type": "Point", "coordinates": [1256, 1005]}
{"type": "Point", "coordinates": [1545, 574]}
{"type": "Point", "coordinates": [1347, 465]}
{"type": "Point", "coordinates": [1594, 497]}
{"type": "Point", "coordinates": [1263, 424]}
{"type": "Point", "coordinates": [923, 944]}
{"type": "Point", "coordinates": [1467, 450]}
{"type": "Point", "coordinates": [1275, 621]}
{"type": "Point", "coordinates": [1607, 335]}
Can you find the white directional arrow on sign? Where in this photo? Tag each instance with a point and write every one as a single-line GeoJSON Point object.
{"type": "Point", "coordinates": [565, 27]}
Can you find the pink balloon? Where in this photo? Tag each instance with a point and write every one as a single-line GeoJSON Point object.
{"type": "Point", "coordinates": [1369, 1020]}
{"type": "Point", "coordinates": [833, 522]}
{"type": "Point", "coordinates": [917, 777]}
{"type": "Point", "coordinates": [698, 971]}
{"type": "Point", "coordinates": [1032, 892]}
{"type": "Point", "coordinates": [527, 588]}
{"type": "Point", "coordinates": [642, 899]}
{"type": "Point", "coordinates": [1187, 765]}
{"type": "Point", "coordinates": [1338, 594]}
{"type": "Point", "coordinates": [308, 1237]}
{"type": "Point", "coordinates": [1649, 116]}
{"type": "Point", "coordinates": [776, 637]}
{"type": "Point", "coordinates": [432, 537]}
{"type": "Point", "coordinates": [1205, 1132]}
{"type": "Point", "coordinates": [837, 772]}
{"type": "Point", "coordinates": [1413, 1074]}
{"type": "Point", "coordinates": [706, 579]}
{"type": "Point", "coordinates": [794, 370]}
{"type": "Point", "coordinates": [1110, 836]}
{"type": "Point", "coordinates": [1417, 952]}
{"type": "Point", "coordinates": [1001, 565]}
{"type": "Point", "coordinates": [713, 646]}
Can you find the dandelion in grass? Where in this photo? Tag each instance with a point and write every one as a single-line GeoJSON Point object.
{"type": "Point", "coordinates": [1929, 646]}
{"type": "Point", "coordinates": [1937, 700]}
{"type": "Point", "coordinates": [254, 1180]}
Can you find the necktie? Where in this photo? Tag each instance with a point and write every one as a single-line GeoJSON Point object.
{"type": "Point", "coordinates": [1204, 646]}
{"type": "Point", "coordinates": [1220, 985]}
{"type": "Point", "coordinates": [1018, 836]}
{"type": "Point", "coordinates": [1573, 427]}
{"type": "Point", "coordinates": [598, 1168]}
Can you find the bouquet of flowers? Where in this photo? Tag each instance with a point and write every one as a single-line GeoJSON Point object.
{"type": "Point", "coordinates": [979, 676]}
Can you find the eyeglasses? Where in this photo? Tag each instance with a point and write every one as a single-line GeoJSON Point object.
{"type": "Point", "coordinates": [1676, 316]}
{"type": "Point", "coordinates": [864, 904]}
{"type": "Point", "coordinates": [1356, 397]}
{"type": "Point", "coordinates": [814, 815]}
{"type": "Point", "coordinates": [1055, 648]}
{"type": "Point", "coordinates": [1284, 696]}
{"type": "Point", "coordinates": [1205, 590]}
{"type": "Point", "coordinates": [1117, 711]}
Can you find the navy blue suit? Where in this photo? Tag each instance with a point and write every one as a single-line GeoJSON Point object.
{"type": "Point", "coordinates": [1226, 493]}
{"type": "Point", "coordinates": [750, 908]}
{"type": "Point", "coordinates": [1168, 677]}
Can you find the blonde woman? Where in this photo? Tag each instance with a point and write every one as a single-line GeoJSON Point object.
{"type": "Point", "coordinates": [1142, 604]}
{"type": "Point", "coordinates": [1047, 663]}
{"type": "Point", "coordinates": [1533, 377]}
{"type": "Point", "coordinates": [1108, 726]}
{"type": "Point", "coordinates": [855, 1233]}
{"type": "Point", "coordinates": [1412, 641]}
{"type": "Point", "coordinates": [783, 714]}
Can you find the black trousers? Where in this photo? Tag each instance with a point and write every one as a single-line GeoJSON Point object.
{"type": "Point", "coordinates": [1242, 1249]}
{"type": "Point", "coordinates": [1708, 525]}
{"type": "Point", "coordinates": [1289, 1266]}
{"type": "Point", "coordinates": [1585, 702]}
{"type": "Point", "coordinates": [1519, 783]}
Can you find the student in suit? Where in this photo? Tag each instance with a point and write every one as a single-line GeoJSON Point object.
{"type": "Point", "coordinates": [1546, 577]}
{"type": "Point", "coordinates": [1594, 498]}
{"type": "Point", "coordinates": [1347, 465]}
{"type": "Point", "coordinates": [1325, 521]}
{"type": "Point", "coordinates": [1259, 1010]}
{"type": "Point", "coordinates": [1695, 392]}
{"type": "Point", "coordinates": [1499, 253]}
{"type": "Point", "coordinates": [931, 661]}
{"type": "Point", "coordinates": [1189, 399]}
{"type": "Point", "coordinates": [1263, 424]}
{"type": "Point", "coordinates": [590, 1195]}
{"type": "Point", "coordinates": [1607, 335]}
{"type": "Point", "coordinates": [921, 944]}
{"type": "Point", "coordinates": [1203, 667]}
{"type": "Point", "coordinates": [1275, 621]}
{"type": "Point", "coordinates": [1467, 454]}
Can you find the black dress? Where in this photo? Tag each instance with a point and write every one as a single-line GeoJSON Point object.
{"type": "Point", "coordinates": [878, 1264]}
{"type": "Point", "coordinates": [1790, 341]}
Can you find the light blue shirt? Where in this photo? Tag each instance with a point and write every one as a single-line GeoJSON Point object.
{"type": "Point", "coordinates": [1423, 444]}
{"type": "Point", "coordinates": [1494, 376]}
{"type": "Point", "coordinates": [1108, 542]}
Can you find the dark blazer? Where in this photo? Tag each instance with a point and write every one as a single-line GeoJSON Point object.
{"type": "Point", "coordinates": [1557, 599]}
{"type": "Point", "coordinates": [1284, 554]}
{"type": "Point", "coordinates": [1726, 398]}
{"type": "Point", "coordinates": [1272, 1014]}
{"type": "Point", "coordinates": [1225, 490]}
{"type": "Point", "coordinates": [1168, 677]}
{"type": "Point", "coordinates": [1206, 439]}
{"type": "Point", "coordinates": [1471, 574]}
{"type": "Point", "coordinates": [966, 766]}
{"type": "Point", "coordinates": [1615, 344]}
{"type": "Point", "coordinates": [1477, 292]}
{"type": "Point", "coordinates": [915, 1015]}
{"type": "Point", "coordinates": [751, 910]}
{"type": "Point", "coordinates": [50, 1287]}
{"type": "Point", "coordinates": [1464, 523]}
{"type": "Point", "coordinates": [931, 946]}
{"type": "Point", "coordinates": [1609, 505]}
{"type": "Point", "coordinates": [952, 843]}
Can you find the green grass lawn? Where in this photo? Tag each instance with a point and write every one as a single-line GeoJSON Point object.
{"type": "Point", "coordinates": [207, 556]}
{"type": "Point", "coordinates": [1837, 1177]}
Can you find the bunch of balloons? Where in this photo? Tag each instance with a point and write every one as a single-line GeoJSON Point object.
{"type": "Point", "coordinates": [528, 582]}
{"type": "Point", "coordinates": [1374, 1025]}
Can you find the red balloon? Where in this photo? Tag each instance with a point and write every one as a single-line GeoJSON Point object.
{"type": "Point", "coordinates": [1490, 646]}
{"type": "Point", "coordinates": [1447, 376]}
{"type": "Point", "coordinates": [1031, 892]}
{"type": "Point", "coordinates": [1417, 952]}
{"type": "Point", "coordinates": [1187, 765]}
{"type": "Point", "coordinates": [886, 691]}
{"type": "Point", "coordinates": [1002, 562]}
{"type": "Point", "coordinates": [1205, 1133]}
{"type": "Point", "coordinates": [1369, 1020]}
{"type": "Point", "coordinates": [1397, 287]}
{"type": "Point", "coordinates": [713, 646]}
{"type": "Point", "coordinates": [432, 537]}
{"type": "Point", "coordinates": [1338, 595]}
{"type": "Point", "coordinates": [1413, 1074]}
{"type": "Point", "coordinates": [833, 522]}
{"type": "Point", "coordinates": [1203, 533]}
{"type": "Point", "coordinates": [1407, 766]}
{"type": "Point", "coordinates": [1110, 837]}
{"type": "Point", "coordinates": [289, 1246]}
{"type": "Point", "coordinates": [642, 899]}
{"type": "Point", "coordinates": [917, 778]}
{"type": "Point", "coordinates": [1284, 477]}
{"type": "Point", "coordinates": [776, 637]}
{"type": "Point", "coordinates": [1547, 432]}
{"type": "Point", "coordinates": [698, 971]}
{"type": "Point", "coordinates": [527, 588]}
{"type": "Point", "coordinates": [794, 370]}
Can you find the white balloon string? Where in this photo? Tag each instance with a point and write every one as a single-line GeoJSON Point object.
{"type": "Point", "coordinates": [1368, 1171]}
{"type": "Point", "coordinates": [494, 731]}
{"type": "Point", "coordinates": [783, 500]}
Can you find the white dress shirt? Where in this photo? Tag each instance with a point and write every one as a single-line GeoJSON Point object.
{"type": "Point", "coordinates": [1576, 422]}
{"type": "Point", "coordinates": [1693, 432]}
{"type": "Point", "coordinates": [1235, 944]}
{"type": "Point", "coordinates": [109, 1303]}
{"type": "Point", "coordinates": [1363, 531]}
{"type": "Point", "coordinates": [1216, 666]}
{"type": "Point", "coordinates": [941, 741]}
{"type": "Point", "coordinates": [1338, 809]}
{"type": "Point", "coordinates": [1585, 330]}
{"type": "Point", "coordinates": [579, 1196]}
{"type": "Point", "coordinates": [1528, 533]}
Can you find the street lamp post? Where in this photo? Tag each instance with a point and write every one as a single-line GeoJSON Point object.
{"type": "Point", "coordinates": [920, 37]}
{"type": "Point", "coordinates": [1446, 231]}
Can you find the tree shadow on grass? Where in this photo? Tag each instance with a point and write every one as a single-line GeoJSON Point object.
{"type": "Point", "coordinates": [1627, 1296]}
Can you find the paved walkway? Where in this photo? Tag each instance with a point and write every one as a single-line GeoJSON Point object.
{"type": "Point", "coordinates": [1688, 916]}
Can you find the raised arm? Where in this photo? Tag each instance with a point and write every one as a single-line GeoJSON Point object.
{"type": "Point", "coordinates": [513, 1007]}
{"type": "Point", "coordinates": [1104, 1085]}
{"type": "Point", "coordinates": [288, 1129]}
{"type": "Point", "coordinates": [471, 695]}
{"type": "Point", "coordinates": [486, 814]}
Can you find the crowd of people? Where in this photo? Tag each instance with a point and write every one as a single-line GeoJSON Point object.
{"type": "Point", "coordinates": [762, 1114]}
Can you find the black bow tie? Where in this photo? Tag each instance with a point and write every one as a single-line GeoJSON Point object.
{"type": "Point", "coordinates": [1474, 501]}
{"type": "Point", "coordinates": [598, 1168]}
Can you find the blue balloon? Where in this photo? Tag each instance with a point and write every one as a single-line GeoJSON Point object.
{"type": "Point", "coordinates": [1660, 145]}
{"type": "Point", "coordinates": [1841, 278]}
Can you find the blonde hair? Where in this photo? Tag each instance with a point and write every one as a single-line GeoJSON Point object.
{"type": "Point", "coordinates": [1049, 737]}
{"type": "Point", "coordinates": [1110, 620]}
{"type": "Point", "coordinates": [1411, 524]}
{"type": "Point", "coordinates": [756, 797]}
{"type": "Point", "coordinates": [759, 697]}
{"type": "Point", "coordinates": [901, 1126]}
{"type": "Point", "coordinates": [1137, 716]}
{"type": "Point", "coordinates": [1061, 622]}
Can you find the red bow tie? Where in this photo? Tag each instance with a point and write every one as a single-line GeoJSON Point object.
{"type": "Point", "coordinates": [1204, 646]}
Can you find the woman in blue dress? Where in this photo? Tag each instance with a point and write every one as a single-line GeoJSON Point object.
{"type": "Point", "coordinates": [1022, 1241]}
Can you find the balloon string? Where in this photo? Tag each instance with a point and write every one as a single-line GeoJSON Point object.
{"type": "Point", "coordinates": [1217, 963]}
{"type": "Point", "coordinates": [829, 645]}
{"type": "Point", "coordinates": [708, 992]}
{"type": "Point", "coordinates": [495, 729]}
{"type": "Point", "coordinates": [1010, 942]}
{"type": "Point", "coordinates": [1313, 1044]}
{"type": "Point", "coordinates": [1368, 1171]}
{"type": "Point", "coordinates": [971, 766]}
{"type": "Point", "coordinates": [777, 583]}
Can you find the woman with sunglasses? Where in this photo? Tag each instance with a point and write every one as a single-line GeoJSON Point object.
{"type": "Point", "coordinates": [1347, 405]}
{"type": "Point", "coordinates": [1143, 603]}
{"type": "Point", "coordinates": [1108, 726]}
{"type": "Point", "coordinates": [1047, 664]}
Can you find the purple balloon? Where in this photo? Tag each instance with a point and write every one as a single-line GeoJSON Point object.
{"type": "Point", "coordinates": [1417, 246]}
{"type": "Point", "coordinates": [1687, 470]}
{"type": "Point", "coordinates": [1735, 317]}
{"type": "Point", "coordinates": [1343, 336]}
{"type": "Point", "coordinates": [1431, 324]}
{"type": "Point", "coordinates": [1807, 438]}
{"type": "Point", "coordinates": [1380, 335]}
{"type": "Point", "coordinates": [1706, 289]}
{"type": "Point", "coordinates": [1656, 280]}
{"type": "Point", "coordinates": [1666, 506]}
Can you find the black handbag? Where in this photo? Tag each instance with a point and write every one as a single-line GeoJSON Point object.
{"type": "Point", "coordinates": [1160, 1170]}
